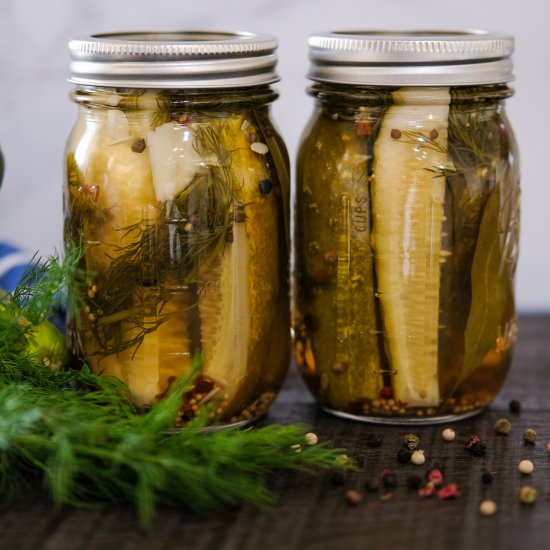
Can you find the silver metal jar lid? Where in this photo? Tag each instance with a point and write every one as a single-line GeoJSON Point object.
{"type": "Point", "coordinates": [411, 58]}
{"type": "Point", "coordinates": [187, 59]}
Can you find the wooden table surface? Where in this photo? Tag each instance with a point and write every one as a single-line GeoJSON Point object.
{"type": "Point", "coordinates": [311, 512]}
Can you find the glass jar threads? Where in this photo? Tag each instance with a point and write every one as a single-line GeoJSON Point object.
{"type": "Point", "coordinates": [177, 190]}
{"type": "Point", "coordinates": [407, 211]}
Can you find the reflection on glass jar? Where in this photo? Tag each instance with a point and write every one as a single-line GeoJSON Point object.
{"type": "Point", "coordinates": [179, 198]}
{"type": "Point", "coordinates": [407, 213]}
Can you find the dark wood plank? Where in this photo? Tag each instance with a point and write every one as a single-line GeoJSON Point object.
{"type": "Point", "coordinates": [311, 513]}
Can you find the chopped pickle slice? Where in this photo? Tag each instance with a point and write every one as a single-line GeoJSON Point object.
{"type": "Point", "coordinates": [408, 215]}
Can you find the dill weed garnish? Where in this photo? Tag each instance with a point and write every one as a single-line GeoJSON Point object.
{"type": "Point", "coordinates": [88, 441]}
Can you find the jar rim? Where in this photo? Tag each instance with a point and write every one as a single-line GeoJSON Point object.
{"type": "Point", "coordinates": [411, 57]}
{"type": "Point", "coordinates": [174, 59]}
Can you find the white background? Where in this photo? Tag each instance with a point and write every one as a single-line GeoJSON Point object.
{"type": "Point", "coordinates": [36, 114]}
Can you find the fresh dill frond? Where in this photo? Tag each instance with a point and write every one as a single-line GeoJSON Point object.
{"type": "Point", "coordinates": [92, 446]}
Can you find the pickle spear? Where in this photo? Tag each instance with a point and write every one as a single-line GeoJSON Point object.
{"type": "Point", "coordinates": [239, 313]}
{"type": "Point", "coordinates": [337, 271]}
{"type": "Point", "coordinates": [408, 215]}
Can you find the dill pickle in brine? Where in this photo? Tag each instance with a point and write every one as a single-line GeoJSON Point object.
{"type": "Point", "coordinates": [179, 199]}
{"type": "Point", "coordinates": [407, 212]}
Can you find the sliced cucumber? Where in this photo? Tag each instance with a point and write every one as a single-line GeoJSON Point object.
{"type": "Point", "coordinates": [408, 216]}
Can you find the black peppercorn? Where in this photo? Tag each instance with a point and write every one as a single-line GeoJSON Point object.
{"type": "Point", "coordinates": [337, 479]}
{"type": "Point", "coordinates": [374, 440]}
{"type": "Point", "coordinates": [514, 406]}
{"type": "Point", "coordinates": [389, 480]}
{"type": "Point", "coordinates": [265, 187]}
{"type": "Point", "coordinates": [414, 482]}
{"type": "Point", "coordinates": [403, 456]}
{"type": "Point", "coordinates": [487, 478]}
{"type": "Point", "coordinates": [138, 145]}
{"type": "Point", "coordinates": [360, 461]}
{"type": "Point", "coordinates": [478, 449]}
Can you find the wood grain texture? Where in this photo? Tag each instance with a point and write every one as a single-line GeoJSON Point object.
{"type": "Point", "coordinates": [311, 513]}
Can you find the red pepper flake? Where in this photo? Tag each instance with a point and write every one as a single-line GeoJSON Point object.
{"type": "Point", "coordinates": [427, 491]}
{"type": "Point", "coordinates": [363, 128]}
{"type": "Point", "coordinates": [448, 492]}
{"type": "Point", "coordinates": [182, 118]}
{"type": "Point", "coordinates": [434, 134]}
{"type": "Point", "coordinates": [386, 496]}
{"type": "Point", "coordinates": [386, 392]}
{"type": "Point", "coordinates": [91, 191]}
{"type": "Point", "coordinates": [436, 477]}
{"type": "Point", "coordinates": [472, 441]}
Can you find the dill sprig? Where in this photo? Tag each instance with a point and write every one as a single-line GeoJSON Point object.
{"type": "Point", "coordinates": [91, 446]}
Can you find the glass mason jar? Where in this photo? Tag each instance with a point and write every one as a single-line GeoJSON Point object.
{"type": "Point", "coordinates": [407, 211]}
{"type": "Point", "coordinates": [177, 189]}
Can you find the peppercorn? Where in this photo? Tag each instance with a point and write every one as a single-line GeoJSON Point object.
{"type": "Point", "coordinates": [330, 257]}
{"type": "Point", "coordinates": [339, 367]}
{"type": "Point", "coordinates": [360, 461]}
{"type": "Point", "coordinates": [529, 436]}
{"type": "Point", "coordinates": [320, 277]}
{"type": "Point", "coordinates": [487, 478]}
{"type": "Point", "coordinates": [527, 495]}
{"type": "Point", "coordinates": [259, 148]}
{"type": "Point", "coordinates": [311, 438]}
{"type": "Point", "coordinates": [337, 479]}
{"type": "Point", "coordinates": [386, 392]}
{"type": "Point", "coordinates": [448, 434]}
{"type": "Point", "coordinates": [363, 128]}
{"type": "Point", "coordinates": [503, 426]}
{"type": "Point", "coordinates": [389, 480]}
{"type": "Point", "coordinates": [411, 441]}
{"type": "Point", "coordinates": [342, 459]}
{"type": "Point", "coordinates": [435, 476]}
{"type": "Point", "coordinates": [414, 482]}
{"type": "Point", "coordinates": [403, 456]}
{"type": "Point", "coordinates": [448, 492]}
{"type": "Point", "coordinates": [353, 498]}
{"type": "Point", "coordinates": [418, 458]}
{"type": "Point", "coordinates": [478, 449]}
{"type": "Point", "coordinates": [427, 491]}
{"type": "Point", "coordinates": [138, 145]}
{"type": "Point", "coordinates": [514, 406]}
{"type": "Point", "coordinates": [395, 133]}
{"type": "Point", "coordinates": [526, 467]}
{"type": "Point", "coordinates": [488, 508]}
{"type": "Point", "coordinates": [475, 446]}
{"type": "Point", "coordinates": [265, 187]}
{"type": "Point", "coordinates": [374, 440]}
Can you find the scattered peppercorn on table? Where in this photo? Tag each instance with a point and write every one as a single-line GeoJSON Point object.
{"type": "Point", "coordinates": [470, 492]}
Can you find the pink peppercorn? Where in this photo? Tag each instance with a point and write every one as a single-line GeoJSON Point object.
{"type": "Point", "coordinates": [448, 492]}
{"type": "Point", "coordinates": [435, 476]}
